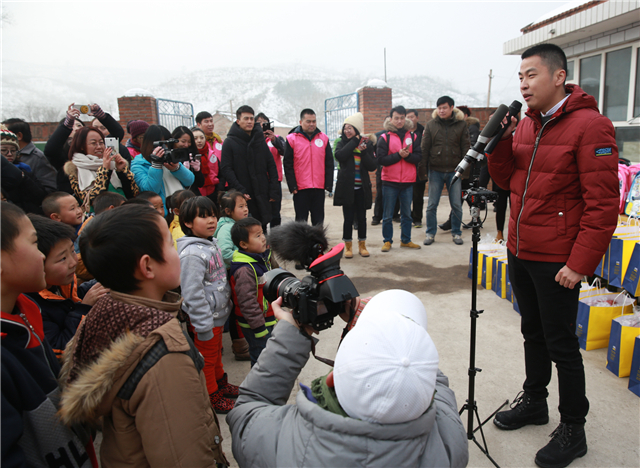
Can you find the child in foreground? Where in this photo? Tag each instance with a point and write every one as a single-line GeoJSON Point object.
{"type": "Point", "coordinates": [129, 362]}
{"type": "Point", "coordinates": [32, 434]}
{"type": "Point", "coordinates": [63, 303]}
{"type": "Point", "coordinates": [206, 293]}
{"type": "Point", "coordinates": [234, 208]}
{"type": "Point", "coordinates": [250, 263]}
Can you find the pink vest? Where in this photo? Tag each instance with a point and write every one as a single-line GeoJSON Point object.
{"type": "Point", "coordinates": [276, 157]}
{"type": "Point", "coordinates": [308, 159]}
{"type": "Point", "coordinates": [402, 171]}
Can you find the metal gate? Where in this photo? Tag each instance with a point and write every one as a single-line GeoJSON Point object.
{"type": "Point", "coordinates": [336, 109]}
{"type": "Point", "coordinates": [172, 114]}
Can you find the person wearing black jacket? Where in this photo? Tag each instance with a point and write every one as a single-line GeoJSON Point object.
{"type": "Point", "coordinates": [355, 154]}
{"type": "Point", "coordinates": [21, 188]}
{"type": "Point", "coordinates": [248, 166]}
{"type": "Point", "coordinates": [421, 180]}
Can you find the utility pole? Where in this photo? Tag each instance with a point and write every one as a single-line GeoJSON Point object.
{"type": "Point", "coordinates": [489, 92]}
{"type": "Point", "coordinates": [385, 64]}
{"type": "Point", "coordinates": [231, 107]}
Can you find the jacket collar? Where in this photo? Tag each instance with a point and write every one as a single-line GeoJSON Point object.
{"type": "Point", "coordinates": [68, 291]}
{"type": "Point", "coordinates": [298, 129]}
{"type": "Point", "coordinates": [578, 99]}
{"type": "Point", "coordinates": [171, 302]}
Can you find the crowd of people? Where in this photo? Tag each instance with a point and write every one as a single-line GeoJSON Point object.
{"type": "Point", "coordinates": [124, 262]}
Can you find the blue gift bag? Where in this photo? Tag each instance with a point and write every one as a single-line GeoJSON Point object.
{"type": "Point", "coordinates": [634, 376]}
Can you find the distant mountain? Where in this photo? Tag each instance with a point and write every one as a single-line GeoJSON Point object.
{"type": "Point", "coordinates": [280, 92]}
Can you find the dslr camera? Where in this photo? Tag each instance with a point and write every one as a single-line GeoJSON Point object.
{"type": "Point", "coordinates": [267, 126]}
{"type": "Point", "coordinates": [172, 156]}
{"type": "Point", "coordinates": [322, 295]}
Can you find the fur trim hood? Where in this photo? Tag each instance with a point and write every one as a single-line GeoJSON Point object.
{"type": "Point", "coordinates": [457, 112]}
{"type": "Point", "coordinates": [70, 169]}
{"type": "Point", "coordinates": [472, 121]}
{"type": "Point", "coordinates": [388, 126]}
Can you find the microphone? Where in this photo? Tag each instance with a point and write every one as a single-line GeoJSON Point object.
{"type": "Point", "coordinates": [484, 138]}
{"type": "Point", "coordinates": [514, 109]}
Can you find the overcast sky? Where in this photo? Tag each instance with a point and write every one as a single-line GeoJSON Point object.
{"type": "Point", "coordinates": [454, 41]}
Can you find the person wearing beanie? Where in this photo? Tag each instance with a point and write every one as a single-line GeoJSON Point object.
{"type": "Point", "coordinates": [136, 129]}
{"type": "Point", "coordinates": [11, 149]}
{"type": "Point", "coordinates": [386, 403]}
{"type": "Point", "coordinates": [354, 152]}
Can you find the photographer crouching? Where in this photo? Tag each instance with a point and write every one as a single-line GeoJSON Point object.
{"type": "Point", "coordinates": [385, 403]}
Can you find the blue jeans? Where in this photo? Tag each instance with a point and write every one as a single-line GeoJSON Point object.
{"type": "Point", "coordinates": [437, 181]}
{"type": "Point", "coordinates": [256, 345]}
{"type": "Point", "coordinates": [389, 197]}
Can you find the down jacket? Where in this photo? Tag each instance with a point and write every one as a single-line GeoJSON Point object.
{"type": "Point", "coordinates": [395, 169]}
{"type": "Point", "coordinates": [444, 143]}
{"type": "Point", "coordinates": [248, 166]}
{"type": "Point", "coordinates": [267, 432]}
{"type": "Point", "coordinates": [563, 178]}
{"type": "Point", "coordinates": [345, 149]}
{"type": "Point", "coordinates": [150, 391]}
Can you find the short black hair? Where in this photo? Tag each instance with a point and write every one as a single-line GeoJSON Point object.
{"type": "Point", "coordinates": [240, 230]}
{"type": "Point", "coordinates": [112, 244]}
{"type": "Point", "coordinates": [398, 110]}
{"type": "Point", "coordinates": [202, 115]}
{"type": "Point", "coordinates": [106, 199]}
{"type": "Point", "coordinates": [138, 201]}
{"type": "Point", "coordinates": [414, 111]}
{"type": "Point", "coordinates": [262, 115]}
{"type": "Point", "coordinates": [445, 100]}
{"type": "Point", "coordinates": [148, 195]}
{"type": "Point", "coordinates": [19, 126]}
{"type": "Point", "coordinates": [10, 215]}
{"type": "Point", "coordinates": [244, 110]}
{"type": "Point", "coordinates": [50, 232]}
{"type": "Point", "coordinates": [50, 203]}
{"type": "Point", "coordinates": [465, 110]}
{"type": "Point", "coordinates": [193, 208]}
{"type": "Point", "coordinates": [306, 112]}
{"type": "Point", "coordinates": [551, 55]}
{"type": "Point", "coordinates": [177, 199]}
{"type": "Point", "coordinates": [227, 201]}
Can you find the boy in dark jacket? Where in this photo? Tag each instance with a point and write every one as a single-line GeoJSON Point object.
{"type": "Point", "coordinates": [32, 434]}
{"type": "Point", "coordinates": [63, 303]}
{"type": "Point", "coordinates": [249, 264]}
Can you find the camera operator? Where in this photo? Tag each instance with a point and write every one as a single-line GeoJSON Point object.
{"type": "Point", "coordinates": [276, 145]}
{"type": "Point", "coordinates": [378, 407]}
{"type": "Point", "coordinates": [561, 169]}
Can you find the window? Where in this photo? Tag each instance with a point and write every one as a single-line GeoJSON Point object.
{"type": "Point", "coordinates": [628, 141]}
{"type": "Point", "coordinates": [570, 70]}
{"type": "Point", "coordinates": [590, 75]}
{"type": "Point", "coordinates": [636, 107]}
{"type": "Point", "coordinates": [616, 81]}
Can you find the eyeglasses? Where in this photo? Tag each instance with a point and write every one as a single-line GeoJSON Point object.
{"type": "Point", "coordinates": [6, 151]}
{"type": "Point", "coordinates": [97, 143]}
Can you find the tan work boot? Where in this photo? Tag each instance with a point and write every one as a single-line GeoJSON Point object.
{"type": "Point", "coordinates": [410, 245]}
{"type": "Point", "coordinates": [363, 249]}
{"type": "Point", "coordinates": [240, 349]}
{"type": "Point", "coordinates": [386, 247]}
{"type": "Point", "coordinates": [348, 250]}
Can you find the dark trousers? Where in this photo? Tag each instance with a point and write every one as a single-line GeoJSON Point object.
{"type": "Point", "coordinates": [501, 206]}
{"type": "Point", "coordinates": [309, 201]}
{"type": "Point", "coordinates": [418, 200]}
{"type": "Point", "coordinates": [357, 212]}
{"type": "Point", "coordinates": [548, 325]}
{"type": "Point", "coordinates": [378, 207]}
{"type": "Point", "coordinates": [275, 208]}
{"type": "Point", "coordinates": [256, 345]}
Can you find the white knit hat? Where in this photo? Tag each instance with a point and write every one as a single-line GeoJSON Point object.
{"type": "Point", "coordinates": [386, 367]}
{"type": "Point", "coordinates": [356, 121]}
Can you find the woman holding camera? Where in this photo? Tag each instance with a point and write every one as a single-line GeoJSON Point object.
{"type": "Point", "coordinates": [210, 165]}
{"type": "Point", "coordinates": [92, 168]}
{"type": "Point", "coordinates": [153, 172]}
{"type": "Point", "coordinates": [354, 153]}
{"type": "Point", "coordinates": [186, 141]}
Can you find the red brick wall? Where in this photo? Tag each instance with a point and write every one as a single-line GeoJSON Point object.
{"type": "Point", "coordinates": [41, 131]}
{"type": "Point", "coordinates": [375, 104]}
{"type": "Point", "coordinates": [137, 108]}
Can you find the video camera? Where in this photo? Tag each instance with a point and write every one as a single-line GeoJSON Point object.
{"type": "Point", "coordinates": [267, 126]}
{"type": "Point", "coordinates": [172, 156]}
{"type": "Point", "coordinates": [319, 297]}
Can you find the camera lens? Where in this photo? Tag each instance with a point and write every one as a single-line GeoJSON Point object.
{"type": "Point", "coordinates": [279, 282]}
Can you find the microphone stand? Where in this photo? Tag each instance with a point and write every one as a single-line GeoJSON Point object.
{"type": "Point", "coordinates": [476, 198]}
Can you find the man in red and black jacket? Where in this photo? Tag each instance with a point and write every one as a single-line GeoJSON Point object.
{"type": "Point", "coordinates": [561, 169]}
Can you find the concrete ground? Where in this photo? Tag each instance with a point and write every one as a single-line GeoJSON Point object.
{"type": "Point", "coordinates": [437, 274]}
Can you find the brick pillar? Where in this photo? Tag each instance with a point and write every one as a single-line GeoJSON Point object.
{"type": "Point", "coordinates": [137, 108]}
{"type": "Point", "coordinates": [375, 104]}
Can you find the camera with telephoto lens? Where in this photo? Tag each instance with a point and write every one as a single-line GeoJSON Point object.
{"type": "Point", "coordinates": [172, 156]}
{"type": "Point", "coordinates": [318, 298]}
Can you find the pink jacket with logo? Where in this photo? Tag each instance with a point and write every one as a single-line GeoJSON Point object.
{"type": "Point", "coordinates": [395, 168]}
{"type": "Point", "coordinates": [308, 163]}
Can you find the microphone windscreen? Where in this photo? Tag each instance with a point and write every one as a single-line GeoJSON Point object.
{"type": "Point", "coordinates": [492, 126]}
{"type": "Point", "coordinates": [514, 108]}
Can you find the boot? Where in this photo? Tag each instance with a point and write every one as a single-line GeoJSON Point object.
{"type": "Point", "coordinates": [228, 390]}
{"type": "Point", "coordinates": [499, 236]}
{"type": "Point", "coordinates": [362, 248]}
{"type": "Point", "coordinates": [523, 411]}
{"type": "Point", "coordinates": [568, 442]}
{"type": "Point", "coordinates": [348, 252]}
{"type": "Point", "coordinates": [221, 405]}
{"type": "Point", "coordinates": [240, 349]}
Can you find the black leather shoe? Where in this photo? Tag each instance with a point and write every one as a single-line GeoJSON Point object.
{"type": "Point", "coordinates": [446, 226]}
{"type": "Point", "coordinates": [567, 443]}
{"type": "Point", "coordinates": [523, 411]}
{"type": "Point", "coordinates": [375, 221]}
